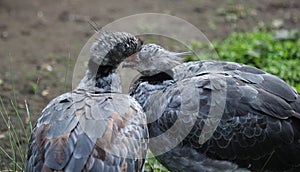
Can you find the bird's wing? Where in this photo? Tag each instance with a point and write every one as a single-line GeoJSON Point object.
{"type": "Point", "coordinates": [79, 131]}
{"type": "Point", "coordinates": [125, 137]}
{"type": "Point", "coordinates": [257, 120]}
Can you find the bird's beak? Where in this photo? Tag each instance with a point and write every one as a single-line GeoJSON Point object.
{"type": "Point", "coordinates": [130, 62]}
{"type": "Point", "coordinates": [184, 54]}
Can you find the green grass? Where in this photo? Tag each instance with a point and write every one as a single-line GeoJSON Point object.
{"type": "Point", "coordinates": [278, 54]}
{"type": "Point", "coordinates": [17, 137]}
{"type": "Point", "coordinates": [265, 50]}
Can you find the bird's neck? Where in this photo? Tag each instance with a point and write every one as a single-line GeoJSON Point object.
{"type": "Point", "coordinates": [158, 78]}
{"type": "Point", "coordinates": [106, 79]}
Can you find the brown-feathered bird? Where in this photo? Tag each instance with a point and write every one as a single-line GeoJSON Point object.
{"type": "Point", "coordinates": [94, 127]}
{"type": "Point", "coordinates": [223, 115]}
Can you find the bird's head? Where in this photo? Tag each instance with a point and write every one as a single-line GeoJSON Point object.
{"type": "Point", "coordinates": [153, 59]}
{"type": "Point", "coordinates": [111, 48]}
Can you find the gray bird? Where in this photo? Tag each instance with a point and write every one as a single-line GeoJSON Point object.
{"type": "Point", "coordinates": [222, 115]}
{"type": "Point", "coordinates": [94, 127]}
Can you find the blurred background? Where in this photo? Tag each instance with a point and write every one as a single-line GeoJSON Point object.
{"type": "Point", "coordinates": [40, 41]}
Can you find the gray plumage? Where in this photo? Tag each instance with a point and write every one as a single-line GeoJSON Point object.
{"type": "Point", "coordinates": [259, 123]}
{"type": "Point", "coordinates": [94, 127]}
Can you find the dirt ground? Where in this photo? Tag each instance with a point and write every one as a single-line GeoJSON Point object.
{"type": "Point", "coordinates": [40, 40]}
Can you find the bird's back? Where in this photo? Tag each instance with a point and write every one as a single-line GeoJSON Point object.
{"type": "Point", "coordinates": [90, 132]}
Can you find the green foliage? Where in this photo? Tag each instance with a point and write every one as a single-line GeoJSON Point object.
{"type": "Point", "coordinates": [277, 53]}
{"type": "Point", "coordinates": [152, 165]}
